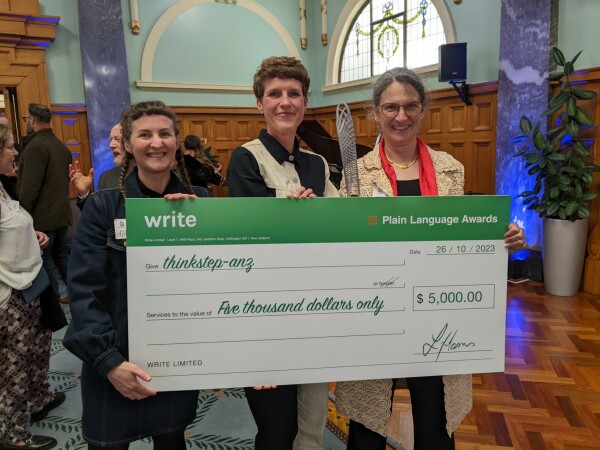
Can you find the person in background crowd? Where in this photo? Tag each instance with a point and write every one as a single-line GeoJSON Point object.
{"type": "Point", "coordinates": [117, 408]}
{"type": "Point", "coordinates": [24, 342]}
{"type": "Point", "coordinates": [110, 178]}
{"type": "Point", "coordinates": [43, 189]}
{"type": "Point", "coordinates": [274, 165]}
{"type": "Point", "coordinates": [10, 179]}
{"type": "Point", "coordinates": [402, 164]}
{"type": "Point", "coordinates": [202, 171]}
{"type": "Point", "coordinates": [84, 184]}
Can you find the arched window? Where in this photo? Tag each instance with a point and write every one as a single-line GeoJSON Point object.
{"type": "Point", "coordinates": [391, 33]}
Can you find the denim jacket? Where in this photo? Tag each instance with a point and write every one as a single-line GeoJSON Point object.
{"type": "Point", "coordinates": [97, 277]}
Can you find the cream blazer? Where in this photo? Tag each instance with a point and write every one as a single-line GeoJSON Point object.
{"type": "Point", "coordinates": [369, 401]}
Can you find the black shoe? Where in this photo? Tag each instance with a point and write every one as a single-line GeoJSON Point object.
{"type": "Point", "coordinates": [59, 398]}
{"type": "Point", "coordinates": [35, 442]}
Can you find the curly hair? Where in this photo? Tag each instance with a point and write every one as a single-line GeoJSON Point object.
{"type": "Point", "coordinates": [133, 113]}
{"type": "Point", "coordinates": [5, 133]}
{"type": "Point", "coordinates": [280, 67]}
{"type": "Point", "coordinates": [148, 108]}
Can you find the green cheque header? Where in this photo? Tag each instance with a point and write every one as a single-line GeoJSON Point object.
{"type": "Point", "coordinates": [221, 221]}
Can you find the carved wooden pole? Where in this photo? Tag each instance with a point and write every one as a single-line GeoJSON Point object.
{"type": "Point", "coordinates": [135, 18]}
{"type": "Point", "coordinates": [324, 22]}
{"type": "Point", "coordinates": [303, 40]}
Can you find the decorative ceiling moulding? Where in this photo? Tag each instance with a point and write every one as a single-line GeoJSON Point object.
{"type": "Point", "coordinates": [344, 22]}
{"type": "Point", "coordinates": [365, 83]}
{"type": "Point", "coordinates": [303, 38]}
{"type": "Point", "coordinates": [25, 35]}
{"type": "Point", "coordinates": [18, 29]}
{"type": "Point", "coordinates": [147, 83]}
{"type": "Point", "coordinates": [324, 22]}
{"type": "Point", "coordinates": [135, 17]}
{"type": "Point", "coordinates": [192, 87]}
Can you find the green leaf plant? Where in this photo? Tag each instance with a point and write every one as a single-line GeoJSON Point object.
{"type": "Point", "coordinates": [560, 160]}
{"type": "Point", "coordinates": [207, 153]}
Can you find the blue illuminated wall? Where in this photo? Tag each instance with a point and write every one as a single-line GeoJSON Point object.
{"type": "Point", "coordinates": [105, 74]}
{"type": "Point", "coordinates": [522, 91]}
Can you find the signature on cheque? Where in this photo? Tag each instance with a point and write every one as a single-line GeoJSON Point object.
{"type": "Point", "coordinates": [445, 342]}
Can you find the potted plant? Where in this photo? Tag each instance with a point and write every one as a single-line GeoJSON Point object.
{"type": "Point", "coordinates": [208, 154]}
{"type": "Point", "coordinates": [561, 163]}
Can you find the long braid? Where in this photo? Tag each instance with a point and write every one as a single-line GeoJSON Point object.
{"type": "Point", "coordinates": [183, 173]}
{"type": "Point", "coordinates": [193, 143]}
{"type": "Point", "coordinates": [123, 174]}
{"type": "Point", "coordinates": [205, 161]}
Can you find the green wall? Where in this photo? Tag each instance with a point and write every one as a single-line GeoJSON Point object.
{"type": "Point", "coordinates": [63, 57]}
{"type": "Point", "coordinates": [578, 23]}
{"type": "Point", "coordinates": [223, 44]}
{"type": "Point", "coordinates": [211, 43]}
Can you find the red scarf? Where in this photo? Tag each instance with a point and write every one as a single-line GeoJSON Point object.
{"type": "Point", "coordinates": [427, 181]}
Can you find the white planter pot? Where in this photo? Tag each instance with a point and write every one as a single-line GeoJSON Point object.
{"type": "Point", "coordinates": [563, 252]}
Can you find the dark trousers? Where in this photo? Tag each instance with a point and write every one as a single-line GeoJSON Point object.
{"type": "Point", "coordinates": [429, 419]}
{"type": "Point", "coordinates": [56, 256]}
{"type": "Point", "coordinates": [275, 412]}
{"type": "Point", "coordinates": [167, 441]}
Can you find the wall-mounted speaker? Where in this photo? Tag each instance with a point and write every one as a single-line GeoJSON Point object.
{"type": "Point", "coordinates": [452, 64]}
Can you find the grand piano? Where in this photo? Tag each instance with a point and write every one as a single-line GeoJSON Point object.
{"type": "Point", "coordinates": [320, 141]}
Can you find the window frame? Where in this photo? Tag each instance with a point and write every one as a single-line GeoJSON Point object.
{"type": "Point", "coordinates": [341, 35]}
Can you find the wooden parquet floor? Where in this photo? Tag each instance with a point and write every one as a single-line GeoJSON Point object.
{"type": "Point", "coordinates": [549, 395]}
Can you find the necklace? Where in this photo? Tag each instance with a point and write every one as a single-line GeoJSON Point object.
{"type": "Point", "coordinates": [402, 166]}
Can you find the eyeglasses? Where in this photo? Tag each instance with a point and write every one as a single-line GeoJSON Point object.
{"type": "Point", "coordinates": [392, 109]}
{"type": "Point", "coordinates": [25, 118]}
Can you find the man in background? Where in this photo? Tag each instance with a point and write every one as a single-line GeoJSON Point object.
{"type": "Point", "coordinates": [43, 189]}
{"type": "Point", "coordinates": [84, 184]}
{"type": "Point", "coordinates": [110, 178]}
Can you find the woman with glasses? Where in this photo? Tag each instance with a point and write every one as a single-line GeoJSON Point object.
{"type": "Point", "coordinates": [24, 341]}
{"type": "Point", "coordinates": [400, 165]}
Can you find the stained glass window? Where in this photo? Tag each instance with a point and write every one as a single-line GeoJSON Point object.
{"type": "Point", "coordinates": [391, 33]}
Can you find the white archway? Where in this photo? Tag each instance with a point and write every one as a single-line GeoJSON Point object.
{"type": "Point", "coordinates": [155, 35]}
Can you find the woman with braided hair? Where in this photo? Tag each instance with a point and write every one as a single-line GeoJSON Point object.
{"type": "Point", "coordinates": [117, 408]}
{"type": "Point", "coordinates": [200, 168]}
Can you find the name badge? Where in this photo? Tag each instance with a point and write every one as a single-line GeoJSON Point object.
{"type": "Point", "coordinates": [120, 229]}
{"type": "Point", "coordinates": [377, 192]}
{"type": "Point", "coordinates": [14, 205]}
{"type": "Point", "coordinates": [11, 205]}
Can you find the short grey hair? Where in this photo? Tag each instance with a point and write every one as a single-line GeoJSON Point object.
{"type": "Point", "coordinates": [401, 75]}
